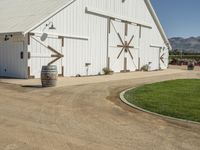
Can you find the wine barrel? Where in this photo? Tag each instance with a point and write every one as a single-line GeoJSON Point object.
{"type": "Point", "coordinates": [49, 75]}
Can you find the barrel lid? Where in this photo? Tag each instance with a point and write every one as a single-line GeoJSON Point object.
{"type": "Point", "coordinates": [51, 67]}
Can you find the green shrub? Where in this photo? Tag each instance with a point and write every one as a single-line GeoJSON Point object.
{"type": "Point", "coordinates": [191, 65]}
{"type": "Point", "coordinates": [107, 71]}
{"type": "Point", "coordinates": [145, 68]}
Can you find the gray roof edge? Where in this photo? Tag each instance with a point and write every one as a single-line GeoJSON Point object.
{"type": "Point", "coordinates": [157, 21]}
{"type": "Point", "coordinates": [49, 16]}
{"type": "Point", "coordinates": [148, 4]}
{"type": "Point", "coordinates": [4, 33]}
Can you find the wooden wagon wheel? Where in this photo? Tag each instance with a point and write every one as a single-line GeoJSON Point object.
{"type": "Point", "coordinates": [125, 45]}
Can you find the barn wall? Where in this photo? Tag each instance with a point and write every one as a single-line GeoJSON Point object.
{"type": "Point", "coordinates": [92, 46]}
{"type": "Point", "coordinates": [151, 37]}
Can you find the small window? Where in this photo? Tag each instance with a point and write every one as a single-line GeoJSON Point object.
{"type": "Point", "coordinates": [22, 55]}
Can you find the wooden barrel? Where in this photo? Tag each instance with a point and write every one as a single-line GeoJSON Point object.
{"type": "Point", "coordinates": [49, 75]}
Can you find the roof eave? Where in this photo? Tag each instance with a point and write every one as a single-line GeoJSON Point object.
{"type": "Point", "coordinates": [18, 33]}
{"type": "Point", "coordinates": [156, 19]}
{"type": "Point", "coordinates": [149, 6]}
{"type": "Point", "coordinates": [49, 16]}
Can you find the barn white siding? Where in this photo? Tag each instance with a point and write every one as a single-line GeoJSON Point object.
{"type": "Point", "coordinates": [92, 48]}
{"type": "Point", "coordinates": [85, 38]}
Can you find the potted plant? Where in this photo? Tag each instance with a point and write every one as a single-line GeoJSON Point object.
{"type": "Point", "coordinates": [145, 68]}
{"type": "Point", "coordinates": [191, 65]}
{"type": "Point", "coordinates": [107, 71]}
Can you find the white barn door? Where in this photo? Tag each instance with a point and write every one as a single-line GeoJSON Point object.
{"type": "Point", "coordinates": [45, 52]}
{"type": "Point", "coordinates": [77, 57]}
{"type": "Point", "coordinates": [12, 59]}
{"type": "Point", "coordinates": [154, 59]}
{"type": "Point", "coordinates": [164, 55]}
{"type": "Point", "coordinates": [123, 48]}
{"type": "Point", "coordinates": [158, 58]}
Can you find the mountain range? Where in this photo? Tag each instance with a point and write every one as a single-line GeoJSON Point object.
{"type": "Point", "coordinates": [191, 45]}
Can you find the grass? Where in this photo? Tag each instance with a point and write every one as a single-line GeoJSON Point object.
{"type": "Point", "coordinates": [177, 98]}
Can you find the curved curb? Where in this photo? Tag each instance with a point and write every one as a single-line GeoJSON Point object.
{"type": "Point", "coordinates": [152, 113]}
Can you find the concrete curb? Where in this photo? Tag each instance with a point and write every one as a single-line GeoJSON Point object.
{"type": "Point", "coordinates": [152, 113]}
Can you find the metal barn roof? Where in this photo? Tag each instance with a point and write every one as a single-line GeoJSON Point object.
{"type": "Point", "coordinates": [21, 15]}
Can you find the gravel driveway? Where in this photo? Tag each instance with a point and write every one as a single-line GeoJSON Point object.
{"type": "Point", "coordinates": [88, 117]}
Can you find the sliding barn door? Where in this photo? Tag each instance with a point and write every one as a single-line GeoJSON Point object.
{"type": "Point", "coordinates": [48, 51]}
{"type": "Point", "coordinates": [12, 59]}
{"type": "Point", "coordinates": [163, 56]}
{"type": "Point", "coordinates": [154, 60]}
{"type": "Point", "coordinates": [123, 46]}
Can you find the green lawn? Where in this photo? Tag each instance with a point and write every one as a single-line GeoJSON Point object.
{"type": "Point", "coordinates": [177, 98]}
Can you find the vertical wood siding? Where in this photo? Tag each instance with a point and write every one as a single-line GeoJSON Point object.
{"type": "Point", "coordinates": [74, 21]}
{"type": "Point", "coordinates": [11, 64]}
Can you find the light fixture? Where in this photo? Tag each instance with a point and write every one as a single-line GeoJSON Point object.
{"type": "Point", "coordinates": [44, 37]}
{"type": "Point", "coordinates": [50, 25]}
{"type": "Point", "coordinates": [7, 37]}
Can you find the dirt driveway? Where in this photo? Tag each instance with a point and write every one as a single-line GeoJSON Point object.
{"type": "Point", "coordinates": [88, 117]}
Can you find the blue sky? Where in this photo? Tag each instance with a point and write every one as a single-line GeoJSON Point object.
{"type": "Point", "coordinates": [180, 18]}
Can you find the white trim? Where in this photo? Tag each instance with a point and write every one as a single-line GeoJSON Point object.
{"type": "Point", "coordinates": [64, 35]}
{"type": "Point", "coordinates": [160, 28]}
{"type": "Point", "coordinates": [156, 46]}
{"type": "Point", "coordinates": [48, 17]}
{"type": "Point", "coordinates": [14, 33]}
{"type": "Point", "coordinates": [114, 16]}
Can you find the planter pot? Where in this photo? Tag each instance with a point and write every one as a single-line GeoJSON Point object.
{"type": "Point", "coordinates": [190, 66]}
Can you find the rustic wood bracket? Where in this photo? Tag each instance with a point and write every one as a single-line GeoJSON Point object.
{"type": "Point", "coordinates": [62, 40]}
{"type": "Point", "coordinates": [125, 66]}
{"type": "Point", "coordinates": [140, 32]}
{"type": "Point", "coordinates": [109, 20]}
{"type": "Point", "coordinates": [57, 55]}
{"type": "Point", "coordinates": [29, 74]}
{"type": "Point", "coordinates": [62, 72]}
{"type": "Point", "coordinates": [29, 37]}
{"type": "Point", "coordinates": [108, 62]}
{"type": "Point", "coordinates": [29, 55]}
{"type": "Point", "coordinates": [162, 58]}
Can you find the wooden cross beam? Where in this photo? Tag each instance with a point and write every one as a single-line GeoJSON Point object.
{"type": "Point", "coordinates": [125, 45]}
{"type": "Point", "coordinates": [57, 55]}
{"type": "Point", "coordinates": [162, 58]}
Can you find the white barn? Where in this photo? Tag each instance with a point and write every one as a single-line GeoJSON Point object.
{"type": "Point", "coordinates": [80, 37]}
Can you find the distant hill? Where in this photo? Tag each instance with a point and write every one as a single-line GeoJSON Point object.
{"type": "Point", "coordinates": [191, 44]}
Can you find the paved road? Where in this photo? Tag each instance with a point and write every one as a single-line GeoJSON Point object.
{"type": "Point", "coordinates": [87, 117]}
